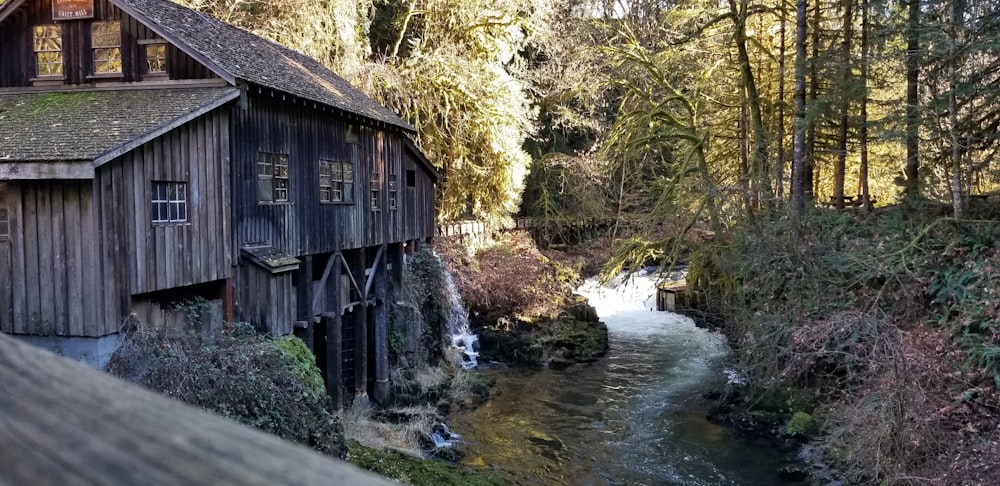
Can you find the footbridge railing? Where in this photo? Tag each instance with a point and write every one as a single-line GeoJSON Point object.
{"type": "Point", "coordinates": [551, 225]}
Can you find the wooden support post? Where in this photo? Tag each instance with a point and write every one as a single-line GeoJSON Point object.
{"type": "Point", "coordinates": [409, 248]}
{"type": "Point", "coordinates": [358, 265]}
{"type": "Point", "coordinates": [397, 260]}
{"type": "Point", "coordinates": [335, 335]}
{"type": "Point", "coordinates": [382, 391]}
{"type": "Point", "coordinates": [334, 358]}
{"type": "Point", "coordinates": [304, 289]}
{"type": "Point", "coordinates": [227, 300]}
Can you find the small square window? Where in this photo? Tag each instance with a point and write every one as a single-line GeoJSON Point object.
{"type": "Point", "coordinates": [156, 58]}
{"type": "Point", "coordinates": [169, 204]}
{"type": "Point", "coordinates": [411, 178]}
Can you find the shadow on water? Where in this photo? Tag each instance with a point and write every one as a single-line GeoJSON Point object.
{"type": "Point", "coordinates": [634, 417]}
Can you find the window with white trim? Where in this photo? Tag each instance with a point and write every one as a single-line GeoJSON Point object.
{"type": "Point", "coordinates": [106, 45]}
{"type": "Point", "coordinates": [48, 50]}
{"type": "Point", "coordinates": [169, 202]}
{"type": "Point", "coordinates": [272, 177]}
{"type": "Point", "coordinates": [156, 58]}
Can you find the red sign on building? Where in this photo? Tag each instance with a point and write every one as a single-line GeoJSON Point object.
{"type": "Point", "coordinates": [72, 9]}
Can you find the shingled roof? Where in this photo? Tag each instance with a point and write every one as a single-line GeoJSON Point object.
{"type": "Point", "coordinates": [85, 125]}
{"type": "Point", "coordinates": [257, 60]}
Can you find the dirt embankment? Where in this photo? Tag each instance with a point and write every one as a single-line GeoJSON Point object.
{"type": "Point", "coordinates": [876, 336]}
{"type": "Point", "coordinates": [521, 301]}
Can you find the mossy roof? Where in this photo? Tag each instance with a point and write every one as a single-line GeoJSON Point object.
{"type": "Point", "coordinates": [259, 61]}
{"type": "Point", "coordinates": [83, 125]}
{"type": "Point", "coordinates": [270, 258]}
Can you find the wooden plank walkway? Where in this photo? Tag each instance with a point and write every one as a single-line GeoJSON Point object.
{"type": "Point", "coordinates": [62, 423]}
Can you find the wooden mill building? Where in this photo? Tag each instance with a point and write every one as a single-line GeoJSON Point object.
{"type": "Point", "coordinates": [150, 154]}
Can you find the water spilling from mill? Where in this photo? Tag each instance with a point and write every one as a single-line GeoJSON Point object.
{"type": "Point", "coordinates": [634, 417]}
{"type": "Point", "coordinates": [459, 332]}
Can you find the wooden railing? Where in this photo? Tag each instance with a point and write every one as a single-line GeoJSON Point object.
{"type": "Point", "coordinates": [64, 423]}
{"type": "Point", "coordinates": [472, 227]}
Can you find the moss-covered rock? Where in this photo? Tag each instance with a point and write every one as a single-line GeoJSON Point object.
{"type": "Point", "coordinates": [579, 341]}
{"type": "Point", "coordinates": [801, 424]}
{"type": "Point", "coordinates": [306, 368]}
{"type": "Point", "coordinates": [498, 345]}
{"type": "Point", "coordinates": [419, 472]}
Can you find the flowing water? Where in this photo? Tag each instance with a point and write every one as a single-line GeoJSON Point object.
{"type": "Point", "coordinates": [635, 417]}
{"type": "Point", "coordinates": [459, 333]}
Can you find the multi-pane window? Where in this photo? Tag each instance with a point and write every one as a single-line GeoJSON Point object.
{"type": "Point", "coordinates": [392, 192]}
{"type": "Point", "coordinates": [48, 50]}
{"type": "Point", "coordinates": [156, 58]}
{"type": "Point", "coordinates": [105, 42]}
{"type": "Point", "coordinates": [170, 202]}
{"type": "Point", "coordinates": [325, 181]}
{"type": "Point", "coordinates": [336, 181]}
{"type": "Point", "coordinates": [375, 185]}
{"type": "Point", "coordinates": [272, 177]}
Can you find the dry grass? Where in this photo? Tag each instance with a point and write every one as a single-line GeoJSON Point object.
{"type": "Point", "coordinates": [361, 424]}
{"type": "Point", "coordinates": [511, 278]}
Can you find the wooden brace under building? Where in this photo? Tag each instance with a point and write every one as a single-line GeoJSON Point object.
{"type": "Point", "coordinates": [150, 154]}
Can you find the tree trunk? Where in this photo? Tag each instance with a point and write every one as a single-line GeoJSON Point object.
{"type": "Point", "coordinates": [759, 179]}
{"type": "Point", "coordinates": [781, 109]}
{"type": "Point", "coordinates": [863, 135]}
{"type": "Point", "coordinates": [799, 129]}
{"type": "Point", "coordinates": [912, 185]}
{"type": "Point", "coordinates": [956, 147]}
{"type": "Point", "coordinates": [745, 185]}
{"type": "Point", "coordinates": [810, 162]}
{"type": "Point", "coordinates": [845, 106]}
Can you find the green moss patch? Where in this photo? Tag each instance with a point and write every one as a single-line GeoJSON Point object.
{"type": "Point", "coordinates": [419, 472]}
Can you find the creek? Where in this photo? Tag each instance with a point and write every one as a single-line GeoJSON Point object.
{"type": "Point", "coordinates": [637, 416]}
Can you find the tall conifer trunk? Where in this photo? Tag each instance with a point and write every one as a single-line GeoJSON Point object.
{"type": "Point", "coordinates": [810, 161]}
{"type": "Point", "coordinates": [912, 186]}
{"type": "Point", "coordinates": [863, 135]}
{"type": "Point", "coordinates": [956, 140]}
{"type": "Point", "coordinates": [781, 109]}
{"type": "Point", "coordinates": [845, 106]}
{"type": "Point", "coordinates": [799, 134]}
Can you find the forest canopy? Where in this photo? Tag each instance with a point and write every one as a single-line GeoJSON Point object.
{"type": "Point", "coordinates": [586, 108]}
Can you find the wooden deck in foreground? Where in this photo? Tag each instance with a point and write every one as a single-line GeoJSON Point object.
{"type": "Point", "coordinates": [62, 423]}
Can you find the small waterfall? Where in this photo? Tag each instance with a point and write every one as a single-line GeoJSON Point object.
{"type": "Point", "coordinates": [459, 333]}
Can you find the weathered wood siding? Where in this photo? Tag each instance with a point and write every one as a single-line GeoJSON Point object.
{"type": "Point", "coordinates": [267, 300]}
{"type": "Point", "coordinates": [6, 275]}
{"type": "Point", "coordinates": [304, 225]}
{"type": "Point", "coordinates": [17, 59]}
{"type": "Point", "coordinates": [56, 282]}
{"type": "Point", "coordinates": [164, 256]}
{"type": "Point", "coordinates": [418, 200]}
